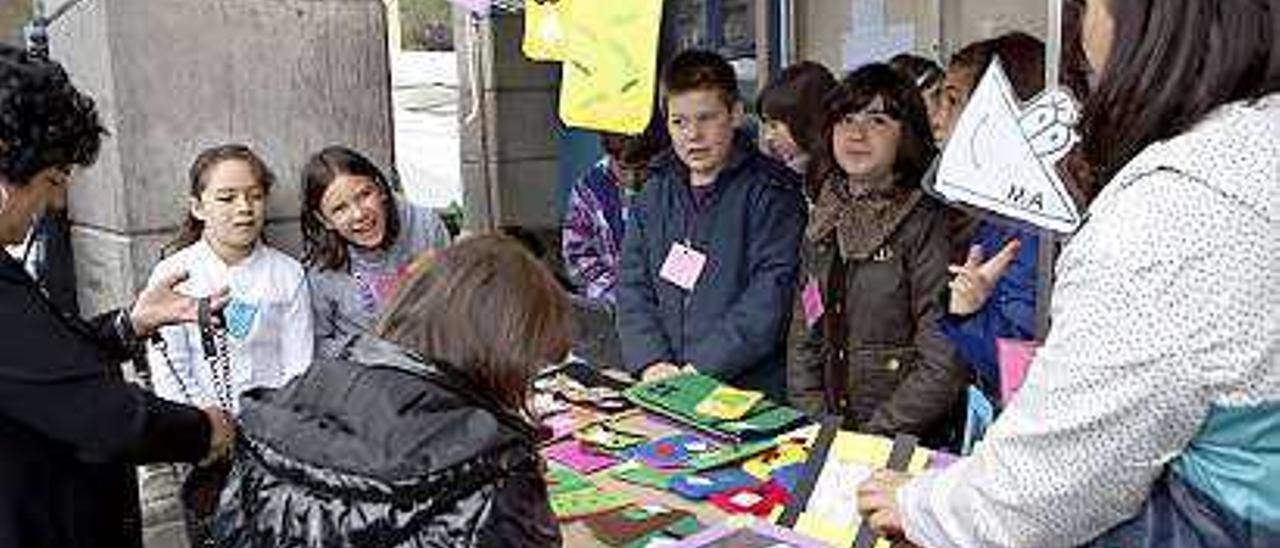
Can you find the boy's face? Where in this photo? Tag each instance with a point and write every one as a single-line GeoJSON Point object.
{"type": "Point", "coordinates": [702, 128]}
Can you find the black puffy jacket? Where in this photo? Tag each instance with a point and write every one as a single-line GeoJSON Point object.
{"type": "Point", "coordinates": [385, 450]}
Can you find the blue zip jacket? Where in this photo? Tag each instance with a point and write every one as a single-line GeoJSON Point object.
{"type": "Point", "coordinates": [733, 324]}
{"type": "Point", "coordinates": [1009, 313]}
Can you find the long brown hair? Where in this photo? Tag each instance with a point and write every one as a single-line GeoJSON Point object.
{"type": "Point", "coordinates": [323, 248]}
{"type": "Point", "coordinates": [1171, 63]}
{"type": "Point", "coordinates": [192, 228]}
{"type": "Point", "coordinates": [486, 307]}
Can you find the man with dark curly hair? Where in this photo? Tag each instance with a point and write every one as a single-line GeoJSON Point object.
{"type": "Point", "coordinates": [69, 425]}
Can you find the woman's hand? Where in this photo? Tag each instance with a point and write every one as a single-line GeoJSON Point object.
{"type": "Point", "coordinates": [975, 279]}
{"type": "Point", "coordinates": [878, 502]}
{"type": "Point", "coordinates": [161, 305]}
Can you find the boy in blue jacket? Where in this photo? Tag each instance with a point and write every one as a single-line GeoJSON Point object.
{"type": "Point", "coordinates": [712, 248]}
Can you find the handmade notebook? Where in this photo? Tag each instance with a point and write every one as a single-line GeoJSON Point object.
{"type": "Point", "coordinates": [825, 504]}
{"type": "Point", "coordinates": [681, 398]}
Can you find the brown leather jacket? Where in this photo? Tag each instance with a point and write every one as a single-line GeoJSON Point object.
{"type": "Point", "coordinates": [876, 356]}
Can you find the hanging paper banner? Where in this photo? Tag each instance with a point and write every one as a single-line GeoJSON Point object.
{"type": "Point", "coordinates": [1002, 156]}
{"type": "Point", "coordinates": [610, 64]}
{"type": "Point", "coordinates": [544, 36]}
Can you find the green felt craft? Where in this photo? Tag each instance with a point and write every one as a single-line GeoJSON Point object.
{"type": "Point", "coordinates": [564, 480]}
{"type": "Point", "coordinates": [640, 474]}
{"type": "Point", "coordinates": [730, 454]}
{"type": "Point", "coordinates": [585, 502]}
{"type": "Point", "coordinates": [678, 398]}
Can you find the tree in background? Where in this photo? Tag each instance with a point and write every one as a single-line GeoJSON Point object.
{"type": "Point", "coordinates": [426, 25]}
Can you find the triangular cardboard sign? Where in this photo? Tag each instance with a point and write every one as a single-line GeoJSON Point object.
{"type": "Point", "coordinates": [1001, 156]}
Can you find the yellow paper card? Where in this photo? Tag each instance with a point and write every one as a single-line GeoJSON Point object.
{"type": "Point", "coordinates": [728, 403]}
{"type": "Point", "coordinates": [834, 535]}
{"type": "Point", "coordinates": [544, 31]}
{"type": "Point", "coordinates": [610, 64]}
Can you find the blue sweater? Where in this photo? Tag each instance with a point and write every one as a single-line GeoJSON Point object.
{"type": "Point", "coordinates": [733, 324]}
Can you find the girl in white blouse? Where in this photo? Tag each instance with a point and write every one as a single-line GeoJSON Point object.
{"type": "Point", "coordinates": [266, 336]}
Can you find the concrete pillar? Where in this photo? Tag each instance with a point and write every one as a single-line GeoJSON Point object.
{"type": "Point", "coordinates": [508, 126]}
{"type": "Point", "coordinates": [172, 78]}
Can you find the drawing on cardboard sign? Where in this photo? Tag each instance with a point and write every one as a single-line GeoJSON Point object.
{"type": "Point", "coordinates": [1002, 156]}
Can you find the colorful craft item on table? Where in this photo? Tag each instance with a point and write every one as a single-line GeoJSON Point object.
{"type": "Point", "coordinates": [730, 454]}
{"type": "Point", "coordinates": [568, 422]}
{"type": "Point", "coordinates": [679, 397]}
{"type": "Point", "coordinates": [546, 405]}
{"type": "Point", "coordinates": [624, 526]}
{"type": "Point", "coordinates": [753, 533]}
{"type": "Point", "coordinates": [728, 403]}
{"type": "Point", "coordinates": [638, 473]}
{"type": "Point", "coordinates": [572, 505]}
{"type": "Point", "coordinates": [782, 455]}
{"type": "Point", "coordinates": [569, 389]}
{"type": "Point", "coordinates": [563, 480]}
{"type": "Point", "coordinates": [572, 454]}
{"type": "Point", "coordinates": [838, 463]}
{"type": "Point", "coordinates": [765, 420]}
{"type": "Point", "coordinates": [790, 476]}
{"type": "Point", "coordinates": [609, 438]}
{"type": "Point", "coordinates": [672, 451]}
{"type": "Point", "coordinates": [759, 500]}
{"type": "Point", "coordinates": [700, 485]}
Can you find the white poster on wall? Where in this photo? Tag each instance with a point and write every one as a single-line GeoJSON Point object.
{"type": "Point", "coordinates": [871, 38]}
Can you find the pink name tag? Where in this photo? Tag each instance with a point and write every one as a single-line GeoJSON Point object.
{"type": "Point", "coordinates": [811, 298]}
{"type": "Point", "coordinates": [683, 266]}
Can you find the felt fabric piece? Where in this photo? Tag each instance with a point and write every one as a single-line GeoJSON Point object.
{"type": "Point", "coordinates": [765, 419]}
{"type": "Point", "coordinates": [758, 501]}
{"type": "Point", "coordinates": [672, 451]}
{"type": "Point", "coordinates": [679, 397]}
{"type": "Point", "coordinates": [784, 454]}
{"type": "Point", "coordinates": [730, 454]}
{"type": "Point", "coordinates": [728, 403]}
{"type": "Point", "coordinates": [566, 423]}
{"type": "Point", "coordinates": [638, 473]}
{"type": "Point", "coordinates": [585, 502]}
{"type": "Point", "coordinates": [563, 480]}
{"type": "Point", "coordinates": [626, 525]}
{"type": "Point", "coordinates": [571, 453]}
{"type": "Point", "coordinates": [789, 477]}
{"type": "Point", "coordinates": [609, 438]}
{"type": "Point", "coordinates": [698, 486]}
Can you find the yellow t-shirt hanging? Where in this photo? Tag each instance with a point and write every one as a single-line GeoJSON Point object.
{"type": "Point", "coordinates": [610, 63]}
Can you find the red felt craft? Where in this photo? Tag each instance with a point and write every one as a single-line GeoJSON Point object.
{"type": "Point", "coordinates": [758, 501]}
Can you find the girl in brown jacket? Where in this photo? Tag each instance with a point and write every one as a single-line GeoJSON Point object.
{"type": "Point", "coordinates": [875, 257]}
